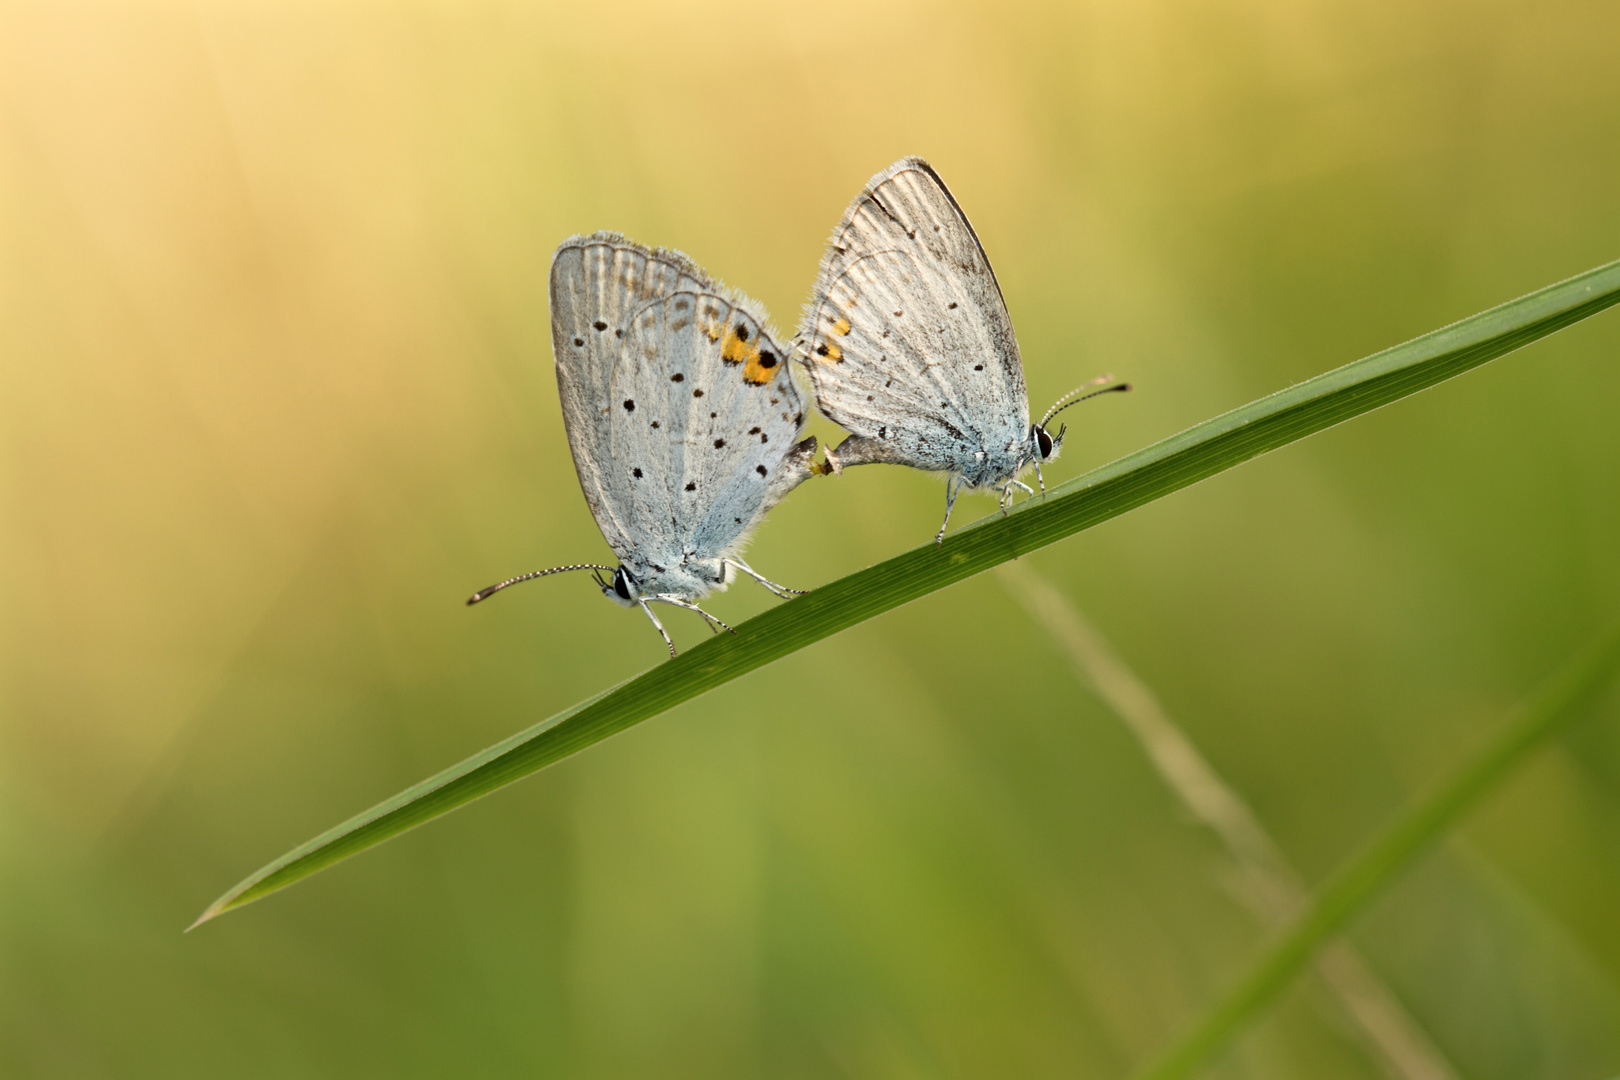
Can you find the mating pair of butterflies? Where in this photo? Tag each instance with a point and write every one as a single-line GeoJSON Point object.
{"type": "Point", "coordinates": [684, 420]}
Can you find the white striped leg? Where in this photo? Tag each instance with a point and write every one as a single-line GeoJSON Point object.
{"type": "Point", "coordinates": [661, 631]}
{"type": "Point", "coordinates": [779, 590]}
{"type": "Point", "coordinates": [665, 598]}
{"type": "Point", "coordinates": [953, 485]}
{"type": "Point", "coordinates": [1006, 493]}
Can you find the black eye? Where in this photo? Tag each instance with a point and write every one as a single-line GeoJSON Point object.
{"type": "Point", "coordinates": [621, 583]}
{"type": "Point", "coordinates": [1043, 443]}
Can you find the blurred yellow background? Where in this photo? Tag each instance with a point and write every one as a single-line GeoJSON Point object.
{"type": "Point", "coordinates": [276, 395]}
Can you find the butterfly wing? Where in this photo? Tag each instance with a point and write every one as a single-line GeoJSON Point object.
{"type": "Point", "coordinates": [597, 283]}
{"type": "Point", "coordinates": [711, 442]}
{"type": "Point", "coordinates": [906, 337]}
{"type": "Point", "coordinates": [680, 419]}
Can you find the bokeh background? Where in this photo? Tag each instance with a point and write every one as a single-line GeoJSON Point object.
{"type": "Point", "coordinates": [276, 395]}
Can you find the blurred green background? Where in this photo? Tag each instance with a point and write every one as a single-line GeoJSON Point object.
{"type": "Point", "coordinates": [277, 395]}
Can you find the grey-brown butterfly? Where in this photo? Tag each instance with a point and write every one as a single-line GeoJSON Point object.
{"type": "Point", "coordinates": [909, 345]}
{"type": "Point", "coordinates": [682, 417]}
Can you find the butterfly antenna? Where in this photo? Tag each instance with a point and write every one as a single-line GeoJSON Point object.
{"type": "Point", "coordinates": [1075, 396]}
{"type": "Point", "coordinates": [485, 594]}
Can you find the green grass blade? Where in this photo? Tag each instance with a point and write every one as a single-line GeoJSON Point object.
{"type": "Point", "coordinates": [1558, 703]}
{"type": "Point", "coordinates": [1103, 493]}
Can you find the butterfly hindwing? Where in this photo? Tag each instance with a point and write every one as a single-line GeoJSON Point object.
{"type": "Point", "coordinates": [704, 432]}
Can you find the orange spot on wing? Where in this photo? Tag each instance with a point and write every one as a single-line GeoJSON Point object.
{"type": "Point", "coordinates": [841, 326]}
{"type": "Point", "coordinates": [762, 368]}
{"type": "Point", "coordinates": [758, 372]}
{"type": "Point", "coordinates": [737, 351]}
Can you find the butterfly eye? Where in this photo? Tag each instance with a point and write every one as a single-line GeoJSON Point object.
{"type": "Point", "coordinates": [623, 583]}
{"type": "Point", "coordinates": [1043, 442]}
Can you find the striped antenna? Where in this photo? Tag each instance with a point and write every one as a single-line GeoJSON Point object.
{"type": "Point", "coordinates": [485, 594]}
{"type": "Point", "coordinates": [1071, 399]}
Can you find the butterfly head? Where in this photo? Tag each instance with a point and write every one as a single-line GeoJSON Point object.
{"type": "Point", "coordinates": [1045, 444]}
{"type": "Point", "coordinates": [621, 589]}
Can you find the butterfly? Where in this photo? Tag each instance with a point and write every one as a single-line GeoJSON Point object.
{"type": "Point", "coordinates": [909, 346]}
{"type": "Point", "coordinates": [681, 415]}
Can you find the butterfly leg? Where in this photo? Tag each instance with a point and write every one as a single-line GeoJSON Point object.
{"type": "Point", "coordinates": [779, 590]}
{"type": "Point", "coordinates": [953, 484]}
{"type": "Point", "coordinates": [1040, 479]}
{"type": "Point", "coordinates": [1006, 493]}
{"type": "Point", "coordinates": [661, 631]}
{"type": "Point", "coordinates": [713, 622]}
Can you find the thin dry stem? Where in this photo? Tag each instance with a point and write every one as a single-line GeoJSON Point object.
{"type": "Point", "coordinates": [1271, 888]}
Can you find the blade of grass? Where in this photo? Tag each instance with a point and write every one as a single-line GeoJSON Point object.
{"type": "Point", "coordinates": [1557, 704]}
{"type": "Point", "coordinates": [1170, 465]}
{"type": "Point", "coordinates": [1272, 889]}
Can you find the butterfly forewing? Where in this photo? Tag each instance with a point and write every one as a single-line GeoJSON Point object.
{"type": "Point", "coordinates": [907, 338]}
{"type": "Point", "coordinates": [597, 283]}
{"type": "Point", "coordinates": [680, 418]}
